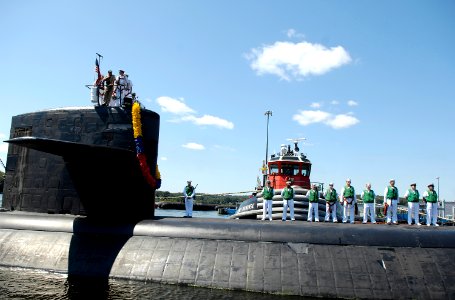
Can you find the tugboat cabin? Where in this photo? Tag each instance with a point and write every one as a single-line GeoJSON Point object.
{"type": "Point", "coordinates": [289, 165]}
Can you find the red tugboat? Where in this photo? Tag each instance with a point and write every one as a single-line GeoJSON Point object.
{"type": "Point", "coordinates": [283, 166]}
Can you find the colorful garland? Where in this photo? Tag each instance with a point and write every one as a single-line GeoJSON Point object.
{"type": "Point", "coordinates": [137, 131]}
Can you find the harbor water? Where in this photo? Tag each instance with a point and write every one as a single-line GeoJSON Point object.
{"type": "Point", "coordinates": [35, 285]}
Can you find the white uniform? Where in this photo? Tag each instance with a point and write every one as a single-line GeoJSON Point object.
{"type": "Point", "coordinates": [413, 208]}
{"type": "Point", "coordinates": [432, 211]}
{"type": "Point", "coordinates": [349, 205]}
{"type": "Point", "coordinates": [121, 89]}
{"type": "Point", "coordinates": [267, 206]}
{"type": "Point", "coordinates": [313, 208]}
{"type": "Point", "coordinates": [332, 207]}
{"type": "Point", "coordinates": [369, 208]}
{"type": "Point", "coordinates": [287, 203]}
{"type": "Point", "coordinates": [188, 202]}
{"type": "Point", "coordinates": [393, 205]}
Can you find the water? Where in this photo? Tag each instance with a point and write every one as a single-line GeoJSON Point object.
{"type": "Point", "coordinates": [196, 214]}
{"type": "Point", "coordinates": [28, 284]}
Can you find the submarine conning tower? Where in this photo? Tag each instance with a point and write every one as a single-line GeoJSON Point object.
{"type": "Point", "coordinates": [81, 161]}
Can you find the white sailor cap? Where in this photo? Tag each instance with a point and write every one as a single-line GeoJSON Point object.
{"type": "Point", "coordinates": [392, 180]}
{"type": "Point", "coordinates": [331, 183]}
{"type": "Point", "coordinates": [188, 181]}
{"type": "Point", "coordinates": [348, 179]}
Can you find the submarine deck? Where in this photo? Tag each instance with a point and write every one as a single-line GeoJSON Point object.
{"type": "Point", "coordinates": [294, 258]}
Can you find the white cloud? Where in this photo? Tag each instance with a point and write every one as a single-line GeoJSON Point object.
{"type": "Point", "coordinates": [315, 105]}
{"type": "Point", "coordinates": [352, 103]}
{"type": "Point", "coordinates": [209, 120]}
{"type": "Point", "coordinates": [163, 158]}
{"type": "Point", "coordinates": [334, 102]}
{"type": "Point", "coordinates": [342, 121]}
{"type": "Point", "coordinates": [185, 113]}
{"type": "Point", "coordinates": [193, 146]}
{"type": "Point", "coordinates": [307, 117]}
{"type": "Point", "coordinates": [293, 33]}
{"type": "Point", "coordinates": [174, 106]}
{"type": "Point", "coordinates": [286, 59]}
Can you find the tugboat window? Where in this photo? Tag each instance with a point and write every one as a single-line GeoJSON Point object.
{"type": "Point", "coordinates": [306, 170]}
{"type": "Point", "coordinates": [290, 170]}
{"type": "Point", "coordinates": [274, 169]}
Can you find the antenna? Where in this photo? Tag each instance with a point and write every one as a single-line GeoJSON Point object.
{"type": "Point", "coordinates": [296, 141]}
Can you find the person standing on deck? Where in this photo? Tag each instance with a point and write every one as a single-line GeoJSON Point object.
{"type": "Point", "coordinates": [331, 196]}
{"type": "Point", "coordinates": [368, 196]}
{"type": "Point", "coordinates": [391, 199]}
{"type": "Point", "coordinates": [267, 202]}
{"type": "Point", "coordinates": [347, 198]}
{"type": "Point", "coordinates": [288, 200]}
{"type": "Point", "coordinates": [121, 88]}
{"type": "Point", "coordinates": [313, 199]}
{"type": "Point", "coordinates": [108, 82]}
{"type": "Point", "coordinates": [189, 192]}
{"type": "Point", "coordinates": [412, 195]}
{"type": "Point", "coordinates": [431, 199]}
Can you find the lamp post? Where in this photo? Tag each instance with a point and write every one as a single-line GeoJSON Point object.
{"type": "Point", "coordinates": [268, 114]}
{"type": "Point", "coordinates": [437, 178]}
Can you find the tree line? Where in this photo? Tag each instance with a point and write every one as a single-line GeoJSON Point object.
{"type": "Point", "coordinates": [165, 196]}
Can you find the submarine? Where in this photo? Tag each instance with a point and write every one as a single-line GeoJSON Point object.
{"type": "Point", "coordinates": [79, 200]}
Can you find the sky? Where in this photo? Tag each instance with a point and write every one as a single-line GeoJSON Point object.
{"type": "Point", "coordinates": [369, 84]}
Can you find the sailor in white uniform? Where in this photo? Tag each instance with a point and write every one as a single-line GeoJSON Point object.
{"type": "Point", "coordinates": [391, 199]}
{"type": "Point", "coordinates": [267, 202]}
{"type": "Point", "coordinates": [412, 195]}
{"type": "Point", "coordinates": [188, 192]}
{"type": "Point", "coordinates": [368, 197]}
{"type": "Point", "coordinates": [288, 201]}
{"type": "Point", "coordinates": [331, 197]}
{"type": "Point", "coordinates": [347, 199]}
{"type": "Point", "coordinates": [431, 199]}
{"type": "Point", "coordinates": [313, 199]}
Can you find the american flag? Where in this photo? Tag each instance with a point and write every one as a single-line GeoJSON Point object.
{"type": "Point", "coordinates": [97, 71]}
{"type": "Point", "coordinates": [97, 67]}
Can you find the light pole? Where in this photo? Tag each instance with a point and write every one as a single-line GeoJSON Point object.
{"type": "Point", "coordinates": [438, 203]}
{"type": "Point", "coordinates": [268, 114]}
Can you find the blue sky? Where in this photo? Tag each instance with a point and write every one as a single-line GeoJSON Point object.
{"type": "Point", "coordinates": [369, 84]}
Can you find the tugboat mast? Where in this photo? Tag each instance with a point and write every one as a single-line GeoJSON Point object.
{"type": "Point", "coordinates": [268, 114]}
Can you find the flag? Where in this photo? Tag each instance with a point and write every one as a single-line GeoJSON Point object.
{"type": "Point", "coordinates": [97, 67]}
{"type": "Point", "coordinates": [97, 71]}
